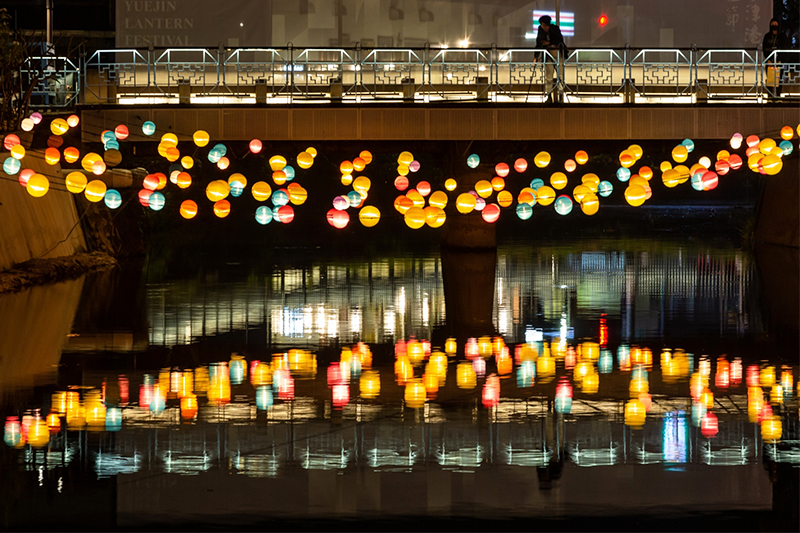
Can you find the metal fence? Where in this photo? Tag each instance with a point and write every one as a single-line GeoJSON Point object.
{"type": "Point", "coordinates": [523, 75]}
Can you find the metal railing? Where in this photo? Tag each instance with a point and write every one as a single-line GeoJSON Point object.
{"type": "Point", "coordinates": [524, 75]}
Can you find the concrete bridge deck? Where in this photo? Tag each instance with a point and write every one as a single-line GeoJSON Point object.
{"type": "Point", "coordinates": [484, 122]}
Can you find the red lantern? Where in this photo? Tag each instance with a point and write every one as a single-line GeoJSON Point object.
{"type": "Point", "coordinates": [338, 219]}
{"type": "Point", "coordinates": [255, 146]}
{"type": "Point", "coordinates": [709, 427]}
{"type": "Point", "coordinates": [520, 165]}
{"type": "Point", "coordinates": [491, 213]}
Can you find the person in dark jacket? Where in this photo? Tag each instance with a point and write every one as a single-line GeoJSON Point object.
{"type": "Point", "coordinates": [774, 40]}
{"type": "Point", "coordinates": [549, 38]}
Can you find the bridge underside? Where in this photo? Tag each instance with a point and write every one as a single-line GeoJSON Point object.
{"type": "Point", "coordinates": [457, 122]}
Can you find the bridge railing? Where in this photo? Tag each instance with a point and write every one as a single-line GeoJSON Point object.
{"type": "Point", "coordinates": [295, 75]}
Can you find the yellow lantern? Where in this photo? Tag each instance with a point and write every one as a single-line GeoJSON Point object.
{"type": "Point", "coordinates": [218, 190]}
{"type": "Point", "coordinates": [38, 185]}
{"type": "Point", "coordinates": [75, 182]}
{"type": "Point", "coordinates": [435, 216]}
{"type": "Point", "coordinates": [558, 180]}
{"type": "Point", "coordinates": [771, 164]}
{"type": "Point", "coordinates": [680, 153]}
{"type": "Point", "coordinates": [416, 198]}
{"type": "Point", "coordinates": [187, 162]}
{"type": "Point", "coordinates": [635, 413]}
{"type": "Point", "coordinates": [261, 190]}
{"type": "Point", "coordinates": [369, 216]}
{"type": "Point", "coordinates": [370, 384]}
{"type": "Point", "coordinates": [403, 170]}
{"type": "Point", "coordinates": [305, 160]}
{"type": "Point", "coordinates": [415, 218]}
{"type": "Point", "coordinates": [635, 195]}
{"type": "Point", "coordinates": [59, 126]}
{"type": "Point", "coordinates": [665, 165]}
{"type": "Point", "coordinates": [170, 140]}
{"type": "Point", "coordinates": [361, 185]}
{"type": "Point", "coordinates": [450, 184]}
{"type": "Point", "coordinates": [405, 158]}
{"type": "Point", "coordinates": [237, 177]}
{"type": "Point", "coordinates": [636, 151]}
{"type": "Point", "coordinates": [465, 203]}
{"type": "Point", "coordinates": [542, 159]}
{"type": "Point", "coordinates": [465, 376]}
{"type": "Point", "coordinates": [505, 198]}
{"type": "Point", "coordinates": [545, 195]}
{"type": "Point", "coordinates": [590, 204]}
{"type": "Point", "coordinates": [18, 151]}
{"type": "Point", "coordinates": [787, 133]}
{"type": "Point", "coordinates": [277, 162]}
{"type": "Point", "coordinates": [95, 190]}
{"type": "Point", "coordinates": [766, 145]}
{"type": "Point", "coordinates": [772, 429]}
{"type": "Point", "coordinates": [298, 195]}
{"type": "Point", "coordinates": [172, 154]}
{"type": "Point", "coordinates": [438, 199]}
{"type": "Point", "coordinates": [483, 188]}
{"type": "Point", "coordinates": [201, 138]}
{"type": "Point", "coordinates": [415, 394]}
{"type": "Point", "coordinates": [579, 192]}
{"type": "Point", "coordinates": [581, 157]}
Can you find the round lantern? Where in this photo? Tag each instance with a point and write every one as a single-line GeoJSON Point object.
{"type": "Point", "coordinates": [75, 182]}
{"type": "Point", "coordinates": [10, 141]}
{"type": "Point", "coordinates": [369, 216]}
{"type": "Point", "coordinates": [264, 215]}
{"type": "Point", "coordinates": [18, 152]}
{"type": "Point", "coordinates": [405, 158]}
{"type": "Point", "coordinates": [787, 133]}
{"type": "Point", "coordinates": [121, 132]}
{"type": "Point", "coordinates": [305, 160]}
{"type": "Point", "coordinates": [520, 165]}
{"type": "Point", "coordinates": [570, 165]}
{"type": "Point", "coordinates": [38, 186]}
{"type": "Point", "coordinates": [280, 198]}
{"type": "Point", "coordinates": [338, 219]}
{"type": "Point", "coordinates": [542, 159]}
{"type": "Point", "coordinates": [183, 180]}
{"type": "Point", "coordinates": [558, 180]}
{"type": "Point", "coordinates": [505, 198]}
{"type": "Point", "coordinates": [415, 218]}
{"type": "Point", "coordinates": [298, 195]}
{"type": "Point", "coordinates": [524, 211]}
{"type": "Point", "coordinates": [501, 169]}
{"type": "Point", "coordinates": [24, 175]}
{"type": "Point", "coordinates": [222, 208]}
{"type": "Point", "coordinates": [95, 190]}
{"type": "Point", "coordinates": [11, 166]}
{"type": "Point", "coordinates": [527, 196]}
{"type": "Point", "coordinates": [144, 197]}
{"type": "Point", "coordinates": [491, 213]}
{"type": "Point", "coordinates": [605, 188]}
{"type": "Point", "coordinates": [590, 204]}
{"type": "Point", "coordinates": [261, 190]}
{"type": "Point", "coordinates": [545, 195]}
{"type": "Point", "coordinates": [217, 190]}
{"type": "Point", "coordinates": [73, 120]}
{"type": "Point", "coordinates": [112, 198]}
{"type": "Point", "coordinates": [680, 153]}
{"type": "Point", "coordinates": [483, 188]}
{"type": "Point", "coordinates": [363, 183]}
{"type": "Point", "coordinates": [689, 144]}
{"type": "Point", "coordinates": [771, 164]}
{"type": "Point", "coordinates": [736, 141]}
{"type": "Point", "coordinates": [563, 205]}
{"type": "Point", "coordinates": [581, 157]}
{"type": "Point", "coordinates": [438, 199]}
{"type": "Point", "coordinates": [414, 166]}
{"type": "Point", "coordinates": [359, 164]}
{"type": "Point", "coordinates": [346, 167]}
{"type": "Point", "coordinates": [450, 184]}
{"type": "Point", "coordinates": [465, 203]}
{"type": "Point", "coordinates": [59, 126]}
{"type": "Point", "coordinates": [473, 161]}
{"type": "Point", "coordinates": [366, 155]}
{"type": "Point", "coordinates": [284, 214]}
{"type": "Point", "coordinates": [188, 209]}
{"type": "Point", "coordinates": [635, 195]}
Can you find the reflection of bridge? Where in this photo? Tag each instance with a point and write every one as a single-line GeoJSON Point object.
{"type": "Point", "coordinates": [387, 299]}
{"type": "Point", "coordinates": [295, 75]}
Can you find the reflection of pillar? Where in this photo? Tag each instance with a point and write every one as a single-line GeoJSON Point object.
{"type": "Point", "coordinates": [468, 277]}
{"type": "Point", "coordinates": [468, 231]}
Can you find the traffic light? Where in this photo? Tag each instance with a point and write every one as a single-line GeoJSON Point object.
{"type": "Point", "coordinates": [603, 20]}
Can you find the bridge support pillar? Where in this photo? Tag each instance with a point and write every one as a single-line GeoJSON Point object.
{"type": "Point", "coordinates": [184, 91]}
{"type": "Point", "coordinates": [261, 91]}
{"type": "Point", "coordinates": [628, 91]}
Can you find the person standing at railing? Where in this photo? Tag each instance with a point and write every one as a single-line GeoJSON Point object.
{"type": "Point", "coordinates": [775, 39]}
{"type": "Point", "coordinates": [549, 38]}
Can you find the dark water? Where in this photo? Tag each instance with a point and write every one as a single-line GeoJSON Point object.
{"type": "Point", "coordinates": [610, 384]}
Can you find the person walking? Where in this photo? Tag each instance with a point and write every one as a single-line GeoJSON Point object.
{"type": "Point", "coordinates": [775, 39]}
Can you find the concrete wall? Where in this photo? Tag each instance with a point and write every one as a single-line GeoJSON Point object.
{"type": "Point", "coordinates": [779, 210]}
{"type": "Point", "coordinates": [455, 122]}
{"type": "Point", "coordinates": [30, 226]}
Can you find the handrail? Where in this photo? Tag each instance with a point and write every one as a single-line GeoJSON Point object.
{"type": "Point", "coordinates": [429, 74]}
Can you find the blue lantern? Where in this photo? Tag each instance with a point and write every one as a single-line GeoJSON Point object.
{"type": "Point", "coordinates": [473, 161]}
{"type": "Point", "coordinates": [536, 183]}
{"type": "Point", "coordinates": [689, 144]}
{"type": "Point", "coordinates": [11, 166]}
{"type": "Point", "coordinates": [264, 398]}
{"type": "Point", "coordinates": [563, 205]}
{"type": "Point", "coordinates": [280, 198]}
{"type": "Point", "coordinates": [623, 174]}
{"type": "Point", "coordinates": [524, 211]}
{"type": "Point", "coordinates": [605, 188]}
{"type": "Point", "coordinates": [157, 201]}
{"type": "Point", "coordinates": [263, 215]}
{"type": "Point", "coordinates": [113, 198]}
{"type": "Point", "coordinates": [148, 128]}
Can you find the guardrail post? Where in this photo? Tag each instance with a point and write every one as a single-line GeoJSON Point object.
{"type": "Point", "coordinates": [220, 66]}
{"type": "Point", "coordinates": [290, 79]}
